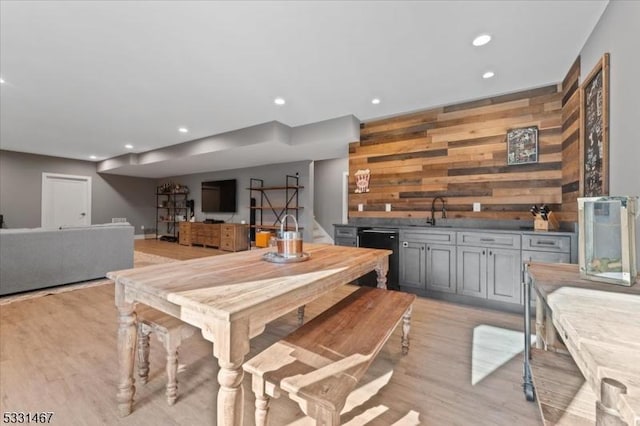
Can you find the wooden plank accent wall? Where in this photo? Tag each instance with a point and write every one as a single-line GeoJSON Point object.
{"type": "Point", "coordinates": [460, 152]}
{"type": "Point", "coordinates": [571, 143]}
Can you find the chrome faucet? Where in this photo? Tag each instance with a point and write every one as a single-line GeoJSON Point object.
{"type": "Point", "coordinates": [432, 220]}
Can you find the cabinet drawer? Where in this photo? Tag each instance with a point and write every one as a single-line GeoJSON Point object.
{"type": "Point", "coordinates": [226, 244]}
{"type": "Point", "coordinates": [439, 237]}
{"type": "Point", "coordinates": [345, 232]}
{"type": "Point", "coordinates": [225, 228]}
{"type": "Point", "coordinates": [349, 242]}
{"type": "Point", "coordinates": [227, 234]}
{"type": "Point", "coordinates": [544, 256]}
{"type": "Point", "coordinates": [555, 243]}
{"type": "Point", "coordinates": [485, 239]}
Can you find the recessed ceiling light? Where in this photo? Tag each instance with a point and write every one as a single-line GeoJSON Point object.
{"type": "Point", "coordinates": [488, 74]}
{"type": "Point", "coordinates": [183, 130]}
{"type": "Point", "coordinates": [375, 101]}
{"type": "Point", "coordinates": [1, 80]}
{"type": "Point", "coordinates": [481, 40]}
{"type": "Point", "coordinates": [279, 101]}
{"type": "Point", "coordinates": [93, 157]}
{"type": "Point", "coordinates": [128, 146]}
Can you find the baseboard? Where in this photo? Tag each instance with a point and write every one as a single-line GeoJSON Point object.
{"type": "Point", "coordinates": [144, 237]}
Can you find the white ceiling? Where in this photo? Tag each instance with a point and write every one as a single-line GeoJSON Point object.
{"type": "Point", "coordinates": [85, 78]}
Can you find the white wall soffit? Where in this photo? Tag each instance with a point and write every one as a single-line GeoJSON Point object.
{"type": "Point", "coordinates": [267, 143]}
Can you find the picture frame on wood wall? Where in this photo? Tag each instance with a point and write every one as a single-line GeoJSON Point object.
{"type": "Point", "coordinates": [522, 146]}
{"type": "Point", "coordinates": [594, 125]}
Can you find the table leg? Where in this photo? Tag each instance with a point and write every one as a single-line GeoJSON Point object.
{"type": "Point", "coordinates": [231, 393]}
{"type": "Point", "coordinates": [127, 335]}
{"type": "Point", "coordinates": [381, 270]}
{"type": "Point", "coordinates": [231, 345]}
{"type": "Point", "coordinates": [527, 384]}
{"type": "Point", "coordinates": [406, 328]}
{"type": "Point", "coordinates": [540, 332]}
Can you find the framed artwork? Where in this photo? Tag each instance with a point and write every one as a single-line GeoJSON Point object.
{"type": "Point", "coordinates": [522, 146]}
{"type": "Point", "coordinates": [594, 125]}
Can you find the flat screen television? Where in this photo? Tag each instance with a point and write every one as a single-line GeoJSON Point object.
{"type": "Point", "coordinates": [219, 196]}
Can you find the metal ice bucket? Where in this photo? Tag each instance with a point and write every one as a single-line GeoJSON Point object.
{"type": "Point", "coordinates": [289, 243]}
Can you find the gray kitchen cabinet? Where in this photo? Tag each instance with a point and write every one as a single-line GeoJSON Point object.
{"type": "Point", "coordinates": [349, 242]}
{"type": "Point", "coordinates": [504, 275]}
{"type": "Point", "coordinates": [441, 268]}
{"type": "Point", "coordinates": [427, 260]}
{"type": "Point", "coordinates": [490, 266]}
{"type": "Point", "coordinates": [545, 248]}
{"type": "Point", "coordinates": [345, 235]}
{"type": "Point", "coordinates": [412, 264]}
{"type": "Point", "coordinates": [472, 271]}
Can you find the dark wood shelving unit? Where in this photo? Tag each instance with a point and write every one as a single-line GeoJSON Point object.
{"type": "Point", "coordinates": [170, 205]}
{"type": "Point", "coordinates": [260, 192]}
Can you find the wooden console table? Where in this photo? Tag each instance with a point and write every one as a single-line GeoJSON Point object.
{"type": "Point", "coordinates": [599, 325]}
{"type": "Point", "coordinates": [225, 236]}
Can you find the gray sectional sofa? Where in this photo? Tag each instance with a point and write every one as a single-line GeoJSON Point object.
{"type": "Point", "coordinates": [37, 258]}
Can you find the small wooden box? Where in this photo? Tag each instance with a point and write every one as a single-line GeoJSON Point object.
{"type": "Point", "coordinates": [551, 224]}
{"type": "Point", "coordinates": [262, 238]}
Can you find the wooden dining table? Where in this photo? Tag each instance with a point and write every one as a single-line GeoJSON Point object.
{"type": "Point", "coordinates": [231, 298]}
{"type": "Point", "coordinates": [599, 325]}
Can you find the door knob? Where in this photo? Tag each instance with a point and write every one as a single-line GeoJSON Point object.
{"type": "Point", "coordinates": [83, 214]}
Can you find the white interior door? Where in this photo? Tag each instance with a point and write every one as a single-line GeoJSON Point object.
{"type": "Point", "coordinates": [66, 200]}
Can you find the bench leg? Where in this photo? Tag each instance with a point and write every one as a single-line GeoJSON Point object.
{"type": "Point", "coordinates": [406, 327]}
{"type": "Point", "coordinates": [143, 352]}
{"type": "Point", "coordinates": [325, 417]}
{"type": "Point", "coordinates": [301, 315]}
{"type": "Point", "coordinates": [262, 410]}
{"type": "Point", "coordinates": [171, 342]}
{"type": "Point", "coordinates": [258, 386]}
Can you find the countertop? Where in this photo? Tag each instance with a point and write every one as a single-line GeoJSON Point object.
{"type": "Point", "coordinates": [458, 226]}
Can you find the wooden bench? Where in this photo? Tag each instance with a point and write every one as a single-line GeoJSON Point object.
{"type": "Point", "coordinates": [320, 363]}
{"type": "Point", "coordinates": [170, 331]}
{"type": "Point", "coordinates": [564, 397]}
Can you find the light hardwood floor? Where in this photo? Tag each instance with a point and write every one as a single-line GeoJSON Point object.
{"type": "Point", "coordinates": [58, 353]}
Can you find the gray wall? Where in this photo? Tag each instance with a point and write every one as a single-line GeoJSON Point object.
{"type": "Point", "coordinates": [111, 196]}
{"type": "Point", "coordinates": [618, 32]}
{"type": "Point", "coordinates": [328, 191]}
{"type": "Point", "coordinates": [273, 175]}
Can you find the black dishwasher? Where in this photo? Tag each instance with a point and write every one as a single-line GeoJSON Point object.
{"type": "Point", "coordinates": [381, 238]}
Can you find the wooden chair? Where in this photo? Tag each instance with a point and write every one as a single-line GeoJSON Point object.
{"type": "Point", "coordinates": [320, 363]}
{"type": "Point", "coordinates": [170, 331]}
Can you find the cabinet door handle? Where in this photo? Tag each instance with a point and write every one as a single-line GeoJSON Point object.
{"type": "Point", "coordinates": [490, 253]}
{"type": "Point", "coordinates": [487, 240]}
{"type": "Point", "coordinates": [428, 248]}
{"type": "Point", "coordinates": [405, 244]}
{"type": "Point", "coordinates": [545, 243]}
{"type": "Point", "coordinates": [422, 248]}
{"type": "Point", "coordinates": [483, 252]}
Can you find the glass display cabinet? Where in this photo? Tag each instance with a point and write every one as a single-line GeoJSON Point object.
{"type": "Point", "coordinates": [607, 245]}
